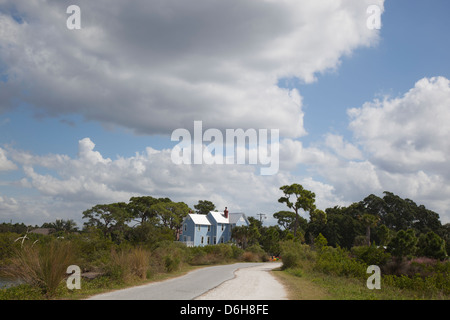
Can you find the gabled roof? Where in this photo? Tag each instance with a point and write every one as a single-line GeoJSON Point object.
{"type": "Point", "coordinates": [234, 217]}
{"type": "Point", "coordinates": [219, 217]}
{"type": "Point", "coordinates": [199, 219]}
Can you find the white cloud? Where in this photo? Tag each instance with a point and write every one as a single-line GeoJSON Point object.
{"type": "Point", "coordinates": [5, 164]}
{"type": "Point", "coordinates": [342, 148]}
{"type": "Point", "coordinates": [68, 186]}
{"type": "Point", "coordinates": [406, 141]}
{"type": "Point", "coordinates": [154, 66]}
{"type": "Point", "coordinates": [399, 144]}
{"type": "Point", "coordinates": [408, 133]}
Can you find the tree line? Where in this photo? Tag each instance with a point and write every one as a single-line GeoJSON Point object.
{"type": "Point", "coordinates": [400, 225]}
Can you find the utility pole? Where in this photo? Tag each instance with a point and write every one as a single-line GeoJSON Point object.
{"type": "Point", "coordinates": [261, 215]}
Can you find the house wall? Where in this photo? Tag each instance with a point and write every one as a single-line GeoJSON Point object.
{"type": "Point", "coordinates": [202, 232]}
{"type": "Point", "coordinates": [187, 230]}
{"type": "Point", "coordinates": [222, 233]}
{"type": "Point", "coordinates": [217, 232]}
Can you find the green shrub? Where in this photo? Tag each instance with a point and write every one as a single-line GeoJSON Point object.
{"type": "Point", "coordinates": [170, 256]}
{"type": "Point", "coordinates": [171, 263]}
{"type": "Point", "coordinates": [370, 255]}
{"type": "Point", "coordinates": [126, 264]}
{"type": "Point", "coordinates": [293, 253]}
{"type": "Point", "coordinates": [337, 261]}
{"type": "Point", "coordinates": [21, 292]}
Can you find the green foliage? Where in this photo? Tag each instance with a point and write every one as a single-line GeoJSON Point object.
{"type": "Point", "coordinates": [370, 255]}
{"type": "Point", "coordinates": [21, 292]}
{"type": "Point", "coordinates": [204, 207]}
{"type": "Point", "coordinates": [403, 244]}
{"type": "Point", "coordinates": [337, 261]}
{"type": "Point", "coordinates": [302, 199]}
{"type": "Point", "coordinates": [293, 253]}
{"type": "Point", "coordinates": [320, 242]}
{"type": "Point", "coordinates": [431, 245]}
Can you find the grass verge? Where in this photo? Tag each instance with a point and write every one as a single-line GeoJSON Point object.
{"type": "Point", "coordinates": [309, 285]}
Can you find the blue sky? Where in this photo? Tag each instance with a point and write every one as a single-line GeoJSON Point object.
{"type": "Point", "coordinates": [131, 76]}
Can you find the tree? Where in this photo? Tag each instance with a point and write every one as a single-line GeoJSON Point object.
{"type": "Point", "coordinates": [140, 207]}
{"type": "Point", "coordinates": [403, 244]}
{"type": "Point", "coordinates": [317, 223]}
{"type": "Point", "coordinates": [245, 235]}
{"type": "Point", "coordinates": [170, 214]}
{"type": "Point", "coordinates": [431, 245]}
{"type": "Point", "coordinates": [61, 225]}
{"type": "Point", "coordinates": [204, 207]}
{"type": "Point", "coordinates": [384, 235]}
{"type": "Point", "coordinates": [369, 221]}
{"type": "Point", "coordinates": [320, 242]}
{"type": "Point", "coordinates": [270, 239]}
{"type": "Point", "coordinates": [303, 199]}
{"type": "Point", "coordinates": [286, 219]}
{"type": "Point", "coordinates": [111, 219]}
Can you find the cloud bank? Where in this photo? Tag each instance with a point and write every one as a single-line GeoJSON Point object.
{"type": "Point", "coordinates": [153, 66]}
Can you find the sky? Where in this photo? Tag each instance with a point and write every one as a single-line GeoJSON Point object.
{"type": "Point", "coordinates": [87, 115]}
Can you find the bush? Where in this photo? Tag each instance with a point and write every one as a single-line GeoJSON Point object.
{"type": "Point", "coordinates": [293, 253]}
{"type": "Point", "coordinates": [291, 259]}
{"type": "Point", "coordinates": [43, 267]}
{"type": "Point", "coordinates": [248, 256]}
{"type": "Point", "coordinates": [337, 261]}
{"type": "Point", "coordinates": [259, 253]}
{"type": "Point", "coordinates": [170, 256]}
{"type": "Point", "coordinates": [171, 263]}
{"type": "Point", "coordinates": [213, 254]}
{"type": "Point", "coordinates": [371, 255]}
{"type": "Point", "coordinates": [128, 264]}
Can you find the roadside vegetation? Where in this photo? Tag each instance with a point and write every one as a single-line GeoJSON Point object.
{"type": "Point", "coordinates": [324, 257]}
{"type": "Point", "coordinates": [324, 272]}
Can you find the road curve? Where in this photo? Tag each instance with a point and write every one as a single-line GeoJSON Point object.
{"type": "Point", "coordinates": [187, 287]}
{"type": "Point", "coordinates": [254, 283]}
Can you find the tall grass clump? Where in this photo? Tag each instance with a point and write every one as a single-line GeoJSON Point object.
{"type": "Point", "coordinates": [43, 267]}
{"type": "Point", "coordinates": [126, 265]}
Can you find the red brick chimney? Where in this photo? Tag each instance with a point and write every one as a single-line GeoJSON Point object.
{"type": "Point", "coordinates": [225, 212]}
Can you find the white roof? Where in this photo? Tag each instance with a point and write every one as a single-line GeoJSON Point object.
{"type": "Point", "coordinates": [235, 217]}
{"type": "Point", "coordinates": [199, 219]}
{"type": "Point", "coordinates": [219, 217]}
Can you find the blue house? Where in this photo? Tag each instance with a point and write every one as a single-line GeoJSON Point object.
{"type": "Point", "coordinates": [213, 228]}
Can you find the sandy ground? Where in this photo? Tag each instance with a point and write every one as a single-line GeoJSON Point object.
{"type": "Point", "coordinates": [254, 283]}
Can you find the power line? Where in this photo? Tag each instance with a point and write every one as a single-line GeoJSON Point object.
{"type": "Point", "coordinates": [261, 215]}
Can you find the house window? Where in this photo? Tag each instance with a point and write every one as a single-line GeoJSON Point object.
{"type": "Point", "coordinates": [214, 240]}
{"type": "Point", "coordinates": [184, 239]}
{"type": "Point", "coordinates": [185, 227]}
{"type": "Point", "coordinates": [223, 226]}
{"type": "Point", "coordinates": [207, 240]}
{"type": "Point", "coordinates": [202, 240]}
{"type": "Point", "coordinates": [209, 228]}
{"type": "Point", "coordinates": [198, 226]}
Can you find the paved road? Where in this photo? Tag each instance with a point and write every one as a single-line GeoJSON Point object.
{"type": "Point", "coordinates": [187, 287]}
{"type": "Point", "coordinates": [254, 283]}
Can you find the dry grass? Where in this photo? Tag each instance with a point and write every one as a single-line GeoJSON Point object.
{"type": "Point", "coordinates": [43, 267]}
{"type": "Point", "coordinates": [127, 264]}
